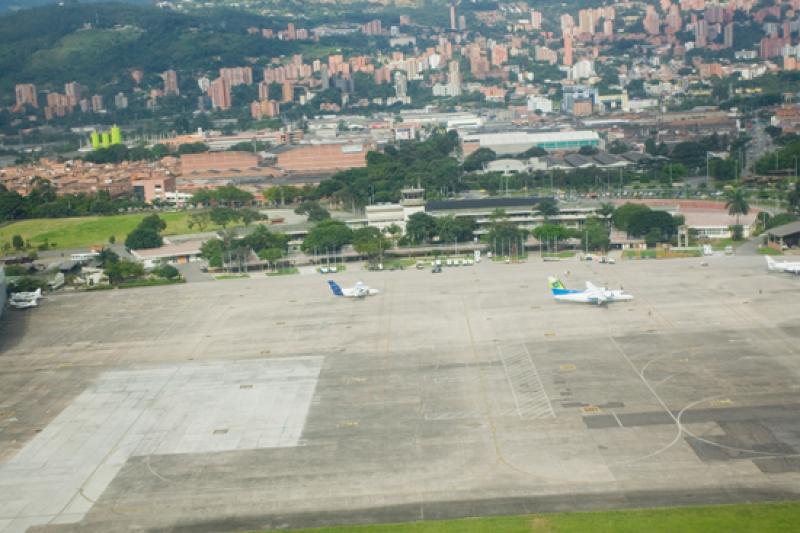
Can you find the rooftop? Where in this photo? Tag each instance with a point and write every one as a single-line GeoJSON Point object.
{"type": "Point", "coordinates": [477, 203]}
{"type": "Point", "coordinates": [787, 229]}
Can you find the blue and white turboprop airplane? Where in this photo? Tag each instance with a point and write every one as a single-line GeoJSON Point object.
{"type": "Point", "coordinates": [358, 291]}
{"type": "Point", "coordinates": [592, 295]}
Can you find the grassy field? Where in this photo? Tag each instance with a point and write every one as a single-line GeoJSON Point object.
{"type": "Point", "coordinates": [223, 277]}
{"type": "Point", "coordinates": [661, 253]}
{"type": "Point", "coordinates": [766, 250]}
{"type": "Point", "coordinates": [746, 518]}
{"type": "Point", "coordinates": [288, 271]}
{"type": "Point", "coordinates": [82, 232]}
{"type": "Point", "coordinates": [561, 255]}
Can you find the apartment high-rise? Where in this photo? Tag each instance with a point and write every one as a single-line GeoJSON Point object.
{"type": "Point", "coordinates": [586, 21]}
{"type": "Point", "coordinates": [372, 28]}
{"type": "Point", "coordinates": [499, 55]}
{"type": "Point", "coordinates": [728, 35]}
{"type": "Point", "coordinates": [237, 75]}
{"type": "Point", "coordinates": [170, 78]}
{"type": "Point", "coordinates": [26, 94]}
{"type": "Point", "coordinates": [264, 108]}
{"type": "Point", "coordinates": [325, 78]}
{"type": "Point", "coordinates": [287, 91]}
{"type": "Point", "coordinates": [453, 26]}
{"type": "Point", "coordinates": [73, 92]}
{"type": "Point", "coordinates": [674, 22]}
{"type": "Point", "coordinates": [263, 90]}
{"type": "Point", "coordinates": [400, 85]}
{"type": "Point", "coordinates": [652, 22]}
{"type": "Point", "coordinates": [567, 49]}
{"type": "Point", "coordinates": [536, 19]}
{"type": "Point", "coordinates": [701, 33]}
{"type": "Point", "coordinates": [220, 93]}
{"type": "Point", "coordinates": [97, 103]}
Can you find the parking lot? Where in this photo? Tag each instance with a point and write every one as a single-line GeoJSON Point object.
{"type": "Point", "coordinates": [266, 402]}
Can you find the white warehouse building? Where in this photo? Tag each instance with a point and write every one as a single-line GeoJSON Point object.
{"type": "Point", "coordinates": [509, 143]}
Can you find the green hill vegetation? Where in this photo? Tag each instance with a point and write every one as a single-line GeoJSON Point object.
{"type": "Point", "coordinates": [98, 44]}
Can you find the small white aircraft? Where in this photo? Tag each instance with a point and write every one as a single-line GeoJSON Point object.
{"type": "Point", "coordinates": [790, 267]}
{"type": "Point", "coordinates": [23, 300]}
{"type": "Point", "coordinates": [592, 294]}
{"type": "Point", "coordinates": [358, 291]}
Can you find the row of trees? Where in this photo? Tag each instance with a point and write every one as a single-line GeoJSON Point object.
{"type": "Point", "coordinates": [226, 195]}
{"type": "Point", "coordinates": [223, 216]}
{"type": "Point", "coordinates": [232, 249]}
{"type": "Point", "coordinates": [119, 152]}
{"type": "Point", "coordinates": [42, 202]}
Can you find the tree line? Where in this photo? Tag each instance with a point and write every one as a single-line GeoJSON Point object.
{"type": "Point", "coordinates": [43, 202]}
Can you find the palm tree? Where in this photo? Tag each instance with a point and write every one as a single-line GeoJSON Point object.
{"type": "Point", "coordinates": [606, 210]}
{"type": "Point", "coordinates": [736, 202]}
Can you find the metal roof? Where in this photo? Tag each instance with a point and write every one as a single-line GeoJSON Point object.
{"type": "Point", "coordinates": [787, 229]}
{"type": "Point", "coordinates": [482, 203]}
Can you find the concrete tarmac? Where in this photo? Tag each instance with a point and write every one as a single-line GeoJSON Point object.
{"type": "Point", "coordinates": [268, 403]}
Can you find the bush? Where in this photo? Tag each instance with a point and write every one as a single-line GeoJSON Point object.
{"type": "Point", "coordinates": [737, 232]}
{"type": "Point", "coordinates": [123, 270]}
{"type": "Point", "coordinates": [15, 270]}
{"type": "Point", "coordinates": [26, 284]}
{"type": "Point", "coordinates": [166, 271]}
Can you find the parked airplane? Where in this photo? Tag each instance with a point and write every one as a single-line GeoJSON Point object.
{"type": "Point", "coordinates": [592, 294]}
{"type": "Point", "coordinates": [791, 267]}
{"type": "Point", "coordinates": [358, 291]}
{"type": "Point", "coordinates": [23, 300]}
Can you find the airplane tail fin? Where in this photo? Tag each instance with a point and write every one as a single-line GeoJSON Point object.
{"type": "Point", "coordinates": [555, 285]}
{"type": "Point", "coordinates": [337, 290]}
{"type": "Point", "coordinates": [770, 262]}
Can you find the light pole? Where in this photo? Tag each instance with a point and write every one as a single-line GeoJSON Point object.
{"type": "Point", "coordinates": [586, 231]}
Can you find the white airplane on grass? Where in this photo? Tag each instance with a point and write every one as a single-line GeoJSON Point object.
{"type": "Point", "coordinates": [790, 267]}
{"type": "Point", "coordinates": [592, 295]}
{"type": "Point", "coordinates": [23, 300]}
{"type": "Point", "coordinates": [358, 291]}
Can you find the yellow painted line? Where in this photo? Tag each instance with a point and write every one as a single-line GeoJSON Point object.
{"type": "Point", "coordinates": [567, 368]}
{"type": "Point", "coordinates": [348, 424]}
{"type": "Point", "coordinates": [591, 410]}
{"type": "Point", "coordinates": [720, 402]}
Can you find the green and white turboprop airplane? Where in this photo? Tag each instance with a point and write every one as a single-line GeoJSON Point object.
{"type": "Point", "coordinates": [592, 295]}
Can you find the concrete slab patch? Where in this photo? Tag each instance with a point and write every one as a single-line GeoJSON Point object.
{"type": "Point", "coordinates": [62, 471]}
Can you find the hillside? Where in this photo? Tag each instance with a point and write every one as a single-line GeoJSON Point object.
{"type": "Point", "coordinates": [98, 44]}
